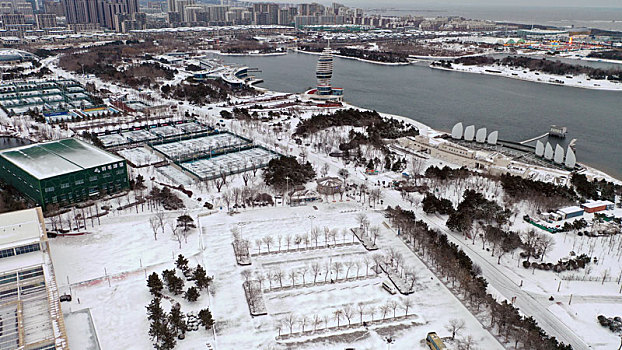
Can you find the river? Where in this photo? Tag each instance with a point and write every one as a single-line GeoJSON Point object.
{"type": "Point", "coordinates": [518, 109]}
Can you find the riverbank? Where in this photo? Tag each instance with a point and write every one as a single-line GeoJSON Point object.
{"type": "Point", "coordinates": [248, 54]}
{"type": "Point", "coordinates": [356, 58]}
{"type": "Point", "coordinates": [580, 81]}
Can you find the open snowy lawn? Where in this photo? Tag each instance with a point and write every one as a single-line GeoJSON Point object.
{"type": "Point", "coordinates": [432, 304]}
{"type": "Point", "coordinates": [581, 317]}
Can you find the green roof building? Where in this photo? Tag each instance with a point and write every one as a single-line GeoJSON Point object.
{"type": "Point", "coordinates": [64, 171]}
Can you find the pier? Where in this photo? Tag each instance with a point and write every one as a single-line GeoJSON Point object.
{"type": "Point", "coordinates": [534, 138]}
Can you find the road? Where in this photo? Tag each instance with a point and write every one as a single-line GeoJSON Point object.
{"type": "Point", "coordinates": [525, 301]}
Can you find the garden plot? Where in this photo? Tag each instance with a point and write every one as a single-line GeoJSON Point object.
{"type": "Point", "coordinates": [331, 313]}
{"type": "Point", "coordinates": [230, 163]}
{"type": "Point", "coordinates": [139, 156]}
{"type": "Point", "coordinates": [201, 146]}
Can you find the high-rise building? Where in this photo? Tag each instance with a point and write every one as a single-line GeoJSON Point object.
{"type": "Point", "coordinates": [102, 12]}
{"type": "Point", "coordinates": [45, 20]}
{"type": "Point", "coordinates": [325, 93]}
{"type": "Point", "coordinates": [9, 19]}
{"type": "Point", "coordinates": [53, 7]}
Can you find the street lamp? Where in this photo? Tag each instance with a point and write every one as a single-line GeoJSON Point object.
{"type": "Point", "coordinates": [389, 341]}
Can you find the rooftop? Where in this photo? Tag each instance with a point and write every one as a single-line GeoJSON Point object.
{"type": "Point", "coordinates": [20, 227]}
{"type": "Point", "coordinates": [49, 159]}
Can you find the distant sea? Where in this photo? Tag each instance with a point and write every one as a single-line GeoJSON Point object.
{"type": "Point", "coordinates": [606, 18]}
{"type": "Point", "coordinates": [592, 17]}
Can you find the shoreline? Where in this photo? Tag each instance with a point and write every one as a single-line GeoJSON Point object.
{"type": "Point", "coordinates": [533, 76]}
{"type": "Point", "coordinates": [357, 59]}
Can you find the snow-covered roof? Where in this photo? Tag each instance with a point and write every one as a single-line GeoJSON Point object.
{"type": "Point", "coordinates": [570, 210]}
{"type": "Point", "coordinates": [49, 159]}
{"type": "Point", "coordinates": [31, 313]}
{"type": "Point", "coordinates": [20, 227]}
{"type": "Point", "coordinates": [595, 204]}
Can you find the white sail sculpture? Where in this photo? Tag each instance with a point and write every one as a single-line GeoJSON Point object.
{"type": "Point", "coordinates": [571, 159]}
{"type": "Point", "coordinates": [469, 133]}
{"type": "Point", "coordinates": [559, 155]}
{"type": "Point", "coordinates": [456, 131]}
{"type": "Point", "coordinates": [493, 138]}
{"type": "Point", "coordinates": [481, 135]}
{"type": "Point", "coordinates": [548, 151]}
{"type": "Point", "coordinates": [539, 148]}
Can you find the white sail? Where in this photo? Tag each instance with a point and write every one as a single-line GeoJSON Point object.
{"type": "Point", "coordinates": [481, 135]}
{"type": "Point", "coordinates": [493, 137]}
{"type": "Point", "coordinates": [469, 133]}
{"type": "Point", "coordinates": [539, 148]}
{"type": "Point", "coordinates": [571, 159]}
{"type": "Point", "coordinates": [559, 155]}
{"type": "Point", "coordinates": [456, 131]}
{"type": "Point", "coordinates": [548, 151]}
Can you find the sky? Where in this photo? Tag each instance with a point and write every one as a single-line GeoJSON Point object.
{"type": "Point", "coordinates": [436, 4]}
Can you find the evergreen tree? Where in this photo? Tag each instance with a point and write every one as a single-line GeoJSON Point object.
{"type": "Point", "coordinates": [155, 284]}
{"type": "Point", "coordinates": [168, 339]}
{"type": "Point", "coordinates": [154, 310]}
{"type": "Point", "coordinates": [176, 285]}
{"type": "Point", "coordinates": [177, 320]}
{"type": "Point", "coordinates": [192, 294]}
{"type": "Point", "coordinates": [182, 263]}
{"type": "Point", "coordinates": [205, 316]}
{"type": "Point", "coordinates": [200, 277]}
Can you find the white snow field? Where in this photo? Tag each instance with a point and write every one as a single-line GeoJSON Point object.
{"type": "Point", "coordinates": [431, 309]}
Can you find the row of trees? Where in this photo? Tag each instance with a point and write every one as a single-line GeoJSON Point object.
{"type": "Point", "coordinates": [355, 315]}
{"type": "Point", "coordinates": [457, 268]}
{"type": "Point", "coordinates": [315, 238]}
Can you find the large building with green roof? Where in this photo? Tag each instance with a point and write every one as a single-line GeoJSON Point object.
{"type": "Point", "coordinates": [62, 172]}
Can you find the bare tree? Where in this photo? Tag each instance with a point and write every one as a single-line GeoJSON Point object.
{"type": "Point", "coordinates": [278, 276]}
{"type": "Point", "coordinates": [337, 267]}
{"type": "Point", "coordinates": [384, 309]}
{"type": "Point", "coordinates": [467, 343]}
{"type": "Point", "coordinates": [374, 231]}
{"type": "Point", "coordinates": [348, 264]}
{"type": "Point", "coordinates": [338, 313]}
{"type": "Point", "coordinates": [155, 226]}
{"type": "Point", "coordinates": [292, 275]}
{"type": "Point", "coordinates": [290, 321]}
{"type": "Point", "coordinates": [303, 272]}
{"type": "Point", "coordinates": [317, 321]}
{"type": "Point", "coordinates": [247, 275]}
{"type": "Point", "coordinates": [315, 269]}
{"type": "Point", "coordinates": [268, 240]}
{"type": "Point", "coordinates": [455, 326]}
{"type": "Point", "coordinates": [361, 309]}
{"type": "Point", "coordinates": [258, 243]}
{"type": "Point", "coordinates": [260, 277]}
{"type": "Point", "coordinates": [175, 229]}
{"type": "Point", "coordinates": [406, 304]}
{"type": "Point", "coordinates": [393, 305]}
{"type": "Point", "coordinates": [372, 311]}
{"type": "Point", "coordinates": [545, 243]}
{"type": "Point", "coordinates": [348, 313]}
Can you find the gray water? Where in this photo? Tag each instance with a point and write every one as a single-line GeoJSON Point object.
{"type": "Point", "coordinates": [519, 110]}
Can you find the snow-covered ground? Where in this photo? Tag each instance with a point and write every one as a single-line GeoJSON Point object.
{"type": "Point", "coordinates": [433, 305]}
{"type": "Point", "coordinates": [581, 81]}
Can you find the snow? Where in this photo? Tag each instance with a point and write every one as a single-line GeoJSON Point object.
{"type": "Point", "coordinates": [432, 306]}
{"type": "Point", "coordinates": [581, 81]}
{"type": "Point", "coordinates": [80, 331]}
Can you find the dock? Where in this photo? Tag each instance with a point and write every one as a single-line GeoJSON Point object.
{"type": "Point", "coordinates": [534, 138]}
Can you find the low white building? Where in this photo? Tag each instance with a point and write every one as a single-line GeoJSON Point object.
{"type": "Point", "coordinates": [29, 300]}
